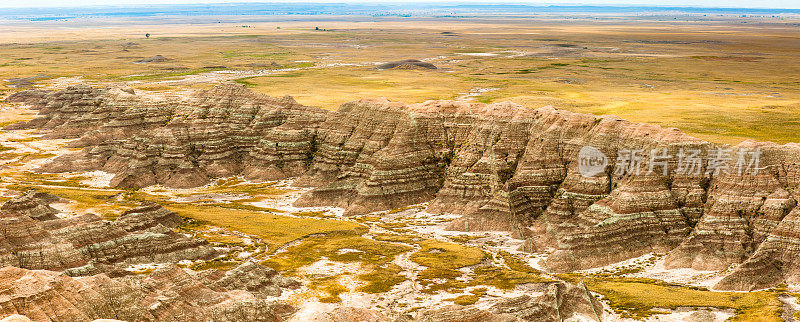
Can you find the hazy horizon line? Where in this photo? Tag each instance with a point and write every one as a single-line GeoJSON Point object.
{"type": "Point", "coordinates": [444, 3]}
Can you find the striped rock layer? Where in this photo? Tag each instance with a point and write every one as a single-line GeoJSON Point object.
{"type": "Point", "coordinates": [501, 166]}
{"type": "Point", "coordinates": [71, 269]}
{"type": "Point", "coordinates": [167, 294]}
{"type": "Point", "coordinates": [86, 244]}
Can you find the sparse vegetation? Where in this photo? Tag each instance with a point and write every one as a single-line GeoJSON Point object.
{"type": "Point", "coordinates": [503, 278]}
{"type": "Point", "coordinates": [640, 298]}
{"type": "Point", "coordinates": [682, 90]}
{"type": "Point", "coordinates": [382, 279]}
{"type": "Point", "coordinates": [471, 298]}
{"type": "Point", "coordinates": [219, 264]}
{"type": "Point", "coordinates": [446, 257]}
{"type": "Point", "coordinates": [398, 238]}
{"type": "Point", "coordinates": [275, 230]}
{"type": "Point", "coordinates": [315, 247]}
{"type": "Point", "coordinates": [442, 261]}
{"type": "Point", "coordinates": [374, 256]}
{"type": "Point", "coordinates": [333, 290]}
{"type": "Point", "coordinates": [516, 264]}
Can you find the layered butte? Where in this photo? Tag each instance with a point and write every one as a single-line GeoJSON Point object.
{"type": "Point", "coordinates": [35, 238]}
{"type": "Point", "coordinates": [501, 166]}
{"type": "Point", "coordinates": [63, 267]}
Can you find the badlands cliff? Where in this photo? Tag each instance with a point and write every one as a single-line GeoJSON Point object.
{"type": "Point", "coordinates": [65, 267]}
{"type": "Point", "coordinates": [68, 267]}
{"type": "Point", "coordinates": [35, 238]}
{"type": "Point", "coordinates": [501, 166]}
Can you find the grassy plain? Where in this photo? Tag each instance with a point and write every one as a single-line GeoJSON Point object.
{"type": "Point", "coordinates": [724, 79]}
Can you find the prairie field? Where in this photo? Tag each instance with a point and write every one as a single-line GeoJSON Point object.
{"type": "Point", "coordinates": [725, 79]}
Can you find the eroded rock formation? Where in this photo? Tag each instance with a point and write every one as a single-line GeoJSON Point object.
{"type": "Point", "coordinates": [167, 294]}
{"type": "Point", "coordinates": [502, 166]}
{"type": "Point", "coordinates": [42, 252]}
{"type": "Point", "coordinates": [177, 142]}
{"type": "Point", "coordinates": [35, 238]}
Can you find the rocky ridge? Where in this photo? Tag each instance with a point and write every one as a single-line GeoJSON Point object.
{"type": "Point", "coordinates": [34, 238]}
{"type": "Point", "coordinates": [167, 294]}
{"type": "Point", "coordinates": [58, 267]}
{"type": "Point", "coordinates": [501, 166]}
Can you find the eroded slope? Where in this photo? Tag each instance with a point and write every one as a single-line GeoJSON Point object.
{"type": "Point", "coordinates": [501, 166]}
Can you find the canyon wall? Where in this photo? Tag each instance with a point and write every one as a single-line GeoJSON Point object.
{"type": "Point", "coordinates": [501, 166]}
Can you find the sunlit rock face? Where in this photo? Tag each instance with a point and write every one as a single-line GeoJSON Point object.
{"type": "Point", "coordinates": [72, 269]}
{"type": "Point", "coordinates": [167, 294]}
{"type": "Point", "coordinates": [500, 166]}
{"type": "Point", "coordinates": [34, 238]}
{"type": "Point", "coordinates": [177, 142]}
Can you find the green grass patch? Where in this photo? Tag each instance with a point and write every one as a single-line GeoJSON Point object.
{"type": "Point", "coordinates": [329, 289]}
{"type": "Point", "coordinates": [371, 254]}
{"type": "Point", "coordinates": [504, 278]}
{"type": "Point", "coordinates": [49, 179]}
{"type": "Point", "coordinates": [442, 261]}
{"type": "Point", "coordinates": [236, 185]}
{"type": "Point", "coordinates": [274, 230]}
{"type": "Point", "coordinates": [245, 82]}
{"type": "Point", "coordinates": [217, 263]}
{"type": "Point", "coordinates": [217, 238]}
{"type": "Point", "coordinates": [464, 238]}
{"type": "Point", "coordinates": [447, 256]}
{"type": "Point", "coordinates": [194, 224]}
{"type": "Point", "coordinates": [398, 238]}
{"type": "Point", "coordinates": [382, 279]}
{"type": "Point", "coordinates": [470, 298]}
{"type": "Point", "coordinates": [240, 205]}
{"type": "Point", "coordinates": [27, 139]}
{"type": "Point", "coordinates": [314, 214]}
{"type": "Point", "coordinates": [639, 298]}
{"type": "Point", "coordinates": [516, 264]}
{"type": "Point", "coordinates": [313, 248]}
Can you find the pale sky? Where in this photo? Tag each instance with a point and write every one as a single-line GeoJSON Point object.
{"type": "Point", "coordinates": [783, 4]}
